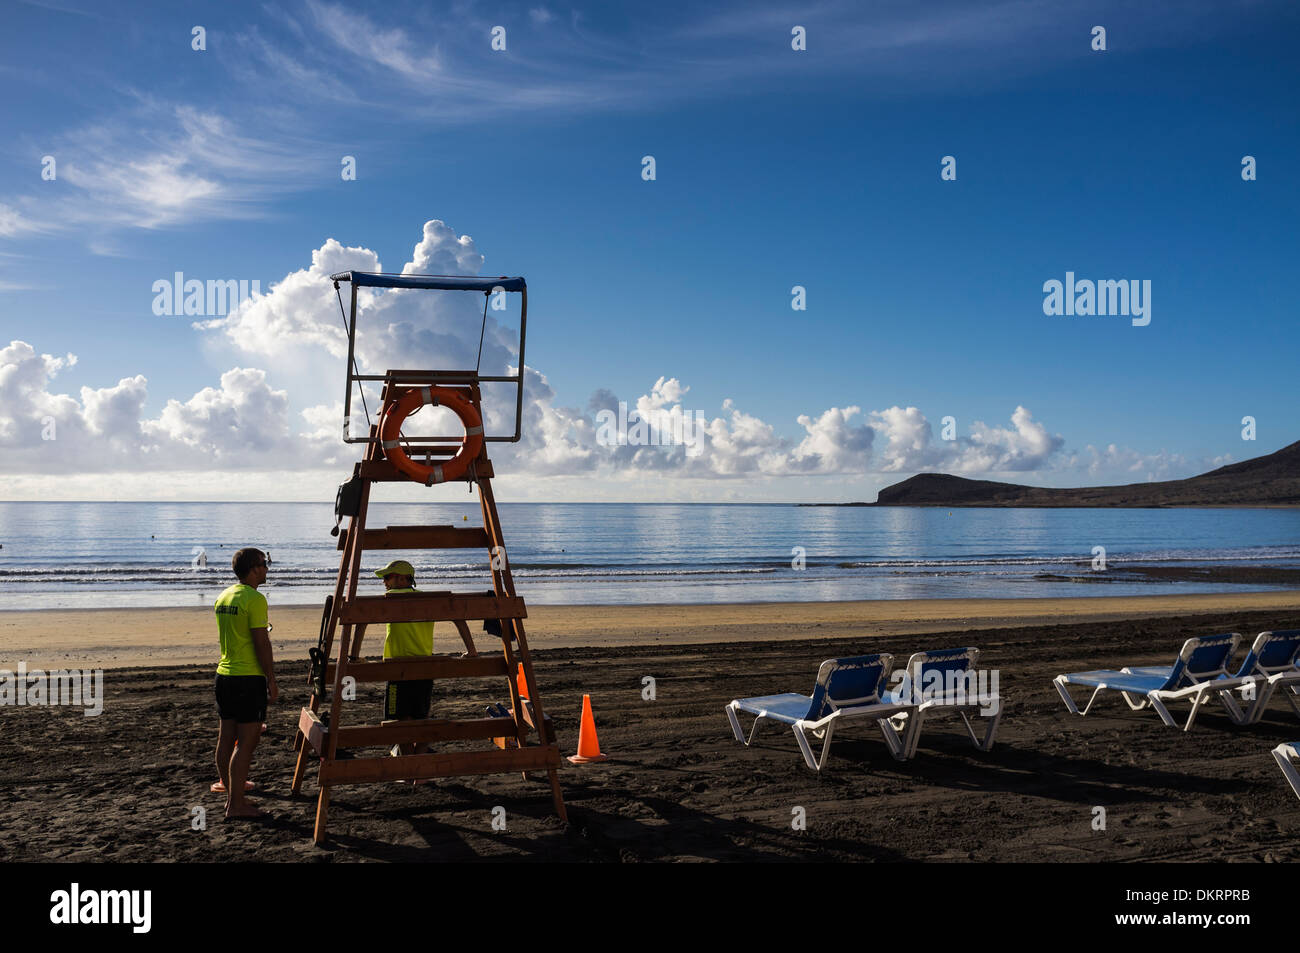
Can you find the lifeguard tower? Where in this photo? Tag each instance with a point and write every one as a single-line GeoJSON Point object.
{"type": "Point", "coordinates": [523, 741]}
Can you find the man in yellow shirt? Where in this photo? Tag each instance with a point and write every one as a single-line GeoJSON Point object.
{"type": "Point", "coordinates": [408, 701]}
{"type": "Point", "coordinates": [245, 676]}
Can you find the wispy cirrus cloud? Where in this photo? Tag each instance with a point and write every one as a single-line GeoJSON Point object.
{"type": "Point", "coordinates": [188, 167]}
{"type": "Point", "coordinates": [268, 114]}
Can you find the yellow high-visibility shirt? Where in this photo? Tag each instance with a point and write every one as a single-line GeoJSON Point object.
{"type": "Point", "coordinates": [407, 638]}
{"type": "Point", "coordinates": [240, 609]}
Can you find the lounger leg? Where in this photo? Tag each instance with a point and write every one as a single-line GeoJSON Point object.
{"type": "Point", "coordinates": [893, 740]}
{"type": "Point", "coordinates": [1283, 754]}
{"type": "Point", "coordinates": [826, 746]}
{"type": "Point", "coordinates": [1060, 684]}
{"type": "Point", "coordinates": [736, 730]}
{"type": "Point", "coordinates": [1135, 705]}
{"type": "Point", "coordinates": [912, 737]}
{"type": "Point", "coordinates": [1197, 700]}
{"type": "Point", "coordinates": [806, 748]}
{"type": "Point", "coordinates": [1163, 712]}
{"type": "Point", "coordinates": [1254, 711]}
{"type": "Point", "coordinates": [989, 732]}
{"type": "Point", "coordinates": [735, 724]}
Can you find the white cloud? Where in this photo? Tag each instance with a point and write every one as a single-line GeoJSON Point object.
{"type": "Point", "coordinates": [241, 424]}
{"type": "Point", "coordinates": [13, 222]}
{"type": "Point", "coordinates": [364, 40]}
{"type": "Point", "coordinates": [143, 172]}
{"type": "Point", "coordinates": [1123, 464]}
{"type": "Point", "coordinates": [246, 421]}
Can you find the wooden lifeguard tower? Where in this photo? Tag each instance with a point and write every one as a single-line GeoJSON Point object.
{"type": "Point", "coordinates": [337, 658]}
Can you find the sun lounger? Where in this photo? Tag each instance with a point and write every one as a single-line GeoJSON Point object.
{"type": "Point", "coordinates": [1274, 662]}
{"type": "Point", "coordinates": [1286, 756]}
{"type": "Point", "coordinates": [847, 689]}
{"type": "Point", "coordinates": [946, 679]}
{"type": "Point", "coordinates": [1272, 665]}
{"type": "Point", "coordinates": [1199, 672]}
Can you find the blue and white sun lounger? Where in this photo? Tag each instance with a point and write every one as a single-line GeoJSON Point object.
{"type": "Point", "coordinates": [1274, 662]}
{"type": "Point", "coordinates": [847, 689]}
{"type": "Point", "coordinates": [1286, 756]}
{"type": "Point", "coordinates": [1272, 665]}
{"type": "Point", "coordinates": [946, 679]}
{"type": "Point", "coordinates": [1200, 671]}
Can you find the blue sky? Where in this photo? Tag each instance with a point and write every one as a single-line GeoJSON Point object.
{"type": "Point", "coordinates": [774, 168]}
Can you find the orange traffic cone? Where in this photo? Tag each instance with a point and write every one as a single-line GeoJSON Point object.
{"type": "Point", "coordinates": [522, 682]}
{"type": "Point", "coordinates": [588, 743]}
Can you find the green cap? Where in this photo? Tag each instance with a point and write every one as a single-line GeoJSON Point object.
{"type": "Point", "coordinates": [399, 566]}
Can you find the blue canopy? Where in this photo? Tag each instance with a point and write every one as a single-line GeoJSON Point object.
{"type": "Point", "coordinates": [368, 279]}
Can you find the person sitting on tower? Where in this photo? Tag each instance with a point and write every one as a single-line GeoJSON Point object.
{"type": "Point", "coordinates": [410, 700]}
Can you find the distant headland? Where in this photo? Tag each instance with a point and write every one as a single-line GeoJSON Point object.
{"type": "Point", "coordinates": [1272, 480]}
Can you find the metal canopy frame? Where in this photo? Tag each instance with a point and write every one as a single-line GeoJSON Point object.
{"type": "Point", "coordinates": [488, 286]}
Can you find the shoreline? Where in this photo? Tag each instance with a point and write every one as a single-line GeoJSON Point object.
{"type": "Point", "coordinates": [119, 638]}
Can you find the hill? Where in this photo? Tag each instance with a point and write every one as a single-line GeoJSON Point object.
{"type": "Point", "coordinates": [1272, 480]}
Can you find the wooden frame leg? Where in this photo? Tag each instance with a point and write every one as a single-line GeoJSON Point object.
{"type": "Point", "coordinates": [322, 813]}
{"type": "Point", "coordinates": [298, 769]}
{"type": "Point", "coordinates": [556, 795]}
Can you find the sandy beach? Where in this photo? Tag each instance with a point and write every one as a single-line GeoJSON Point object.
{"type": "Point", "coordinates": [125, 786]}
{"type": "Point", "coordinates": [118, 638]}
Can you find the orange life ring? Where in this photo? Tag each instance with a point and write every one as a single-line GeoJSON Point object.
{"type": "Point", "coordinates": [407, 404]}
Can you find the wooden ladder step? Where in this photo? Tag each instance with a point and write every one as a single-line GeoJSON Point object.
{"type": "Point", "coordinates": [421, 537]}
{"type": "Point", "coordinates": [418, 669]}
{"type": "Point", "coordinates": [430, 607]}
{"type": "Point", "coordinates": [313, 730]}
{"type": "Point", "coordinates": [427, 729]}
{"type": "Point", "coordinates": [390, 733]}
{"type": "Point", "coordinates": [450, 764]}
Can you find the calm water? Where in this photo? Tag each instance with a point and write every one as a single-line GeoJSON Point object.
{"type": "Point", "coordinates": [64, 555]}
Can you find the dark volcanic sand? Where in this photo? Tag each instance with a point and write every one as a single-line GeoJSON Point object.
{"type": "Point", "coordinates": [121, 787]}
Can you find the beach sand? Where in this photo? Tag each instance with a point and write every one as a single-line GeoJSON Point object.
{"type": "Point", "coordinates": [124, 786]}
{"type": "Point", "coordinates": [121, 638]}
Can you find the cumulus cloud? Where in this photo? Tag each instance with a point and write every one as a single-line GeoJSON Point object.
{"type": "Point", "coordinates": [1128, 465]}
{"type": "Point", "coordinates": [247, 419]}
{"type": "Point", "coordinates": [242, 423]}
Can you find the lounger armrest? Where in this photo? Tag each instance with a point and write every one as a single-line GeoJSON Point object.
{"type": "Point", "coordinates": [1215, 685]}
{"type": "Point", "coordinates": [880, 710]}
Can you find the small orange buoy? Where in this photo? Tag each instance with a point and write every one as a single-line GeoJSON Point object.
{"type": "Point", "coordinates": [588, 743]}
{"type": "Point", "coordinates": [521, 682]}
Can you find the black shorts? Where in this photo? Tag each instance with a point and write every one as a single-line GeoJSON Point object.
{"type": "Point", "coordinates": [408, 699]}
{"type": "Point", "coordinates": [241, 698]}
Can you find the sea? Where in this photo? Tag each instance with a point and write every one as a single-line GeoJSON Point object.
{"type": "Point", "coordinates": [137, 555]}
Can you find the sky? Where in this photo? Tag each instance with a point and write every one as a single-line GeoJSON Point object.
{"type": "Point", "coordinates": [673, 180]}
